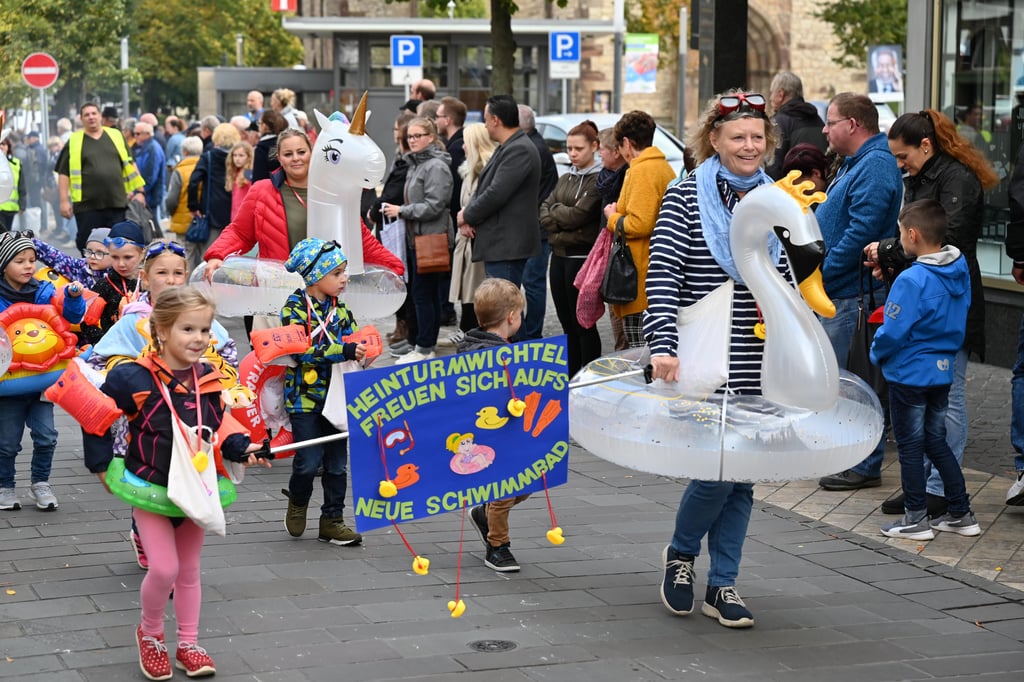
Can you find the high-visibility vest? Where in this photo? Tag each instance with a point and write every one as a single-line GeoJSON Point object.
{"type": "Point", "coordinates": [12, 203]}
{"type": "Point", "coordinates": [132, 179]}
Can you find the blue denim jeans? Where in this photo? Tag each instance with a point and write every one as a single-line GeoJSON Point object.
{"type": "Point", "coordinates": [17, 412]}
{"type": "Point", "coordinates": [919, 425]}
{"type": "Point", "coordinates": [427, 297]}
{"type": "Point", "coordinates": [840, 331]}
{"type": "Point", "coordinates": [535, 282]}
{"type": "Point", "coordinates": [956, 425]}
{"type": "Point", "coordinates": [332, 456]}
{"type": "Point", "coordinates": [512, 270]}
{"type": "Point", "coordinates": [1017, 403]}
{"type": "Point", "coordinates": [720, 510]}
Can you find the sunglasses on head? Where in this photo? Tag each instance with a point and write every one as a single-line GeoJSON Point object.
{"type": "Point", "coordinates": [156, 248]}
{"type": "Point", "coordinates": [119, 242]}
{"type": "Point", "coordinates": [326, 248]}
{"type": "Point", "coordinates": [749, 101]}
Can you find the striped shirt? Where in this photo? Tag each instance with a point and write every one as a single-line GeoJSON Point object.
{"type": "Point", "coordinates": [682, 271]}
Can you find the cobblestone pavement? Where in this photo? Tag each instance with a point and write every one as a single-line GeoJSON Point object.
{"type": "Point", "coordinates": [831, 599]}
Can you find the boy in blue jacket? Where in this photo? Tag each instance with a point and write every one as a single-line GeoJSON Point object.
{"type": "Point", "coordinates": [924, 326]}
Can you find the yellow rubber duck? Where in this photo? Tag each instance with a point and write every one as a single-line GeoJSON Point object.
{"type": "Point", "coordinates": [487, 418]}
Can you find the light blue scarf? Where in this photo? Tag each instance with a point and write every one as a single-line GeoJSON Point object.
{"type": "Point", "coordinates": [715, 216]}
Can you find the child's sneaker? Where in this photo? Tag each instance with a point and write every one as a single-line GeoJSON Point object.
{"type": "Point", "coordinates": [724, 603]}
{"type": "Point", "coordinates": [194, 660]}
{"type": "Point", "coordinates": [909, 528]}
{"type": "Point", "coordinates": [336, 532]}
{"type": "Point", "coordinates": [677, 584]}
{"type": "Point", "coordinates": [153, 658]}
{"type": "Point", "coordinates": [965, 525]}
{"type": "Point", "coordinates": [295, 517]}
{"type": "Point", "coordinates": [140, 552]}
{"type": "Point", "coordinates": [478, 515]}
{"type": "Point", "coordinates": [42, 493]}
{"type": "Point", "coordinates": [500, 559]}
{"type": "Point", "coordinates": [9, 499]}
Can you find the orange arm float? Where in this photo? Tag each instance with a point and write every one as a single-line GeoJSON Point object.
{"type": "Point", "coordinates": [87, 405]}
{"type": "Point", "coordinates": [270, 344]}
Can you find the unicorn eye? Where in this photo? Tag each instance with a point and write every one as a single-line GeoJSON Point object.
{"type": "Point", "coordinates": [332, 155]}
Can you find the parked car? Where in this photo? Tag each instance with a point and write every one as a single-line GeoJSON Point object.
{"type": "Point", "coordinates": [555, 127]}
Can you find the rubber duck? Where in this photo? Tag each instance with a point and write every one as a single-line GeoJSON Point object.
{"type": "Point", "coordinates": [405, 476]}
{"type": "Point", "coordinates": [487, 418]}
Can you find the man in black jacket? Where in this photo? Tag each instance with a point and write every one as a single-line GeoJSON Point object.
{"type": "Point", "coordinates": [1015, 250]}
{"type": "Point", "coordinates": [797, 120]}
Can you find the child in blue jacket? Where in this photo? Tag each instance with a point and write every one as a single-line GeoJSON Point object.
{"type": "Point", "coordinates": [19, 409]}
{"type": "Point", "coordinates": [924, 327]}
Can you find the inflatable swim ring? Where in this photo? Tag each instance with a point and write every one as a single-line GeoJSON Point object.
{"type": "Point", "coordinates": [147, 496]}
{"type": "Point", "coordinates": [267, 411]}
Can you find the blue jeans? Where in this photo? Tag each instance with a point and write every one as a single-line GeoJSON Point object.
{"type": "Point", "coordinates": [512, 270]}
{"type": "Point", "coordinates": [956, 424]}
{"type": "Point", "coordinates": [840, 331]}
{"type": "Point", "coordinates": [535, 279]}
{"type": "Point", "coordinates": [1017, 403]}
{"type": "Point", "coordinates": [919, 424]}
{"type": "Point", "coordinates": [17, 412]}
{"type": "Point", "coordinates": [427, 297]}
{"type": "Point", "coordinates": [720, 510]}
{"type": "Point", "coordinates": [333, 456]}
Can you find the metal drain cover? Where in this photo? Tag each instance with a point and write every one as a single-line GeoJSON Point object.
{"type": "Point", "coordinates": [489, 646]}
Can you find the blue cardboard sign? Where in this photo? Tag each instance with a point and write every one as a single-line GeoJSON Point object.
{"type": "Point", "coordinates": [444, 431]}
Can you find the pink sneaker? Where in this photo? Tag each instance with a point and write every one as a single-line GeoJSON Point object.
{"type": "Point", "coordinates": [153, 658]}
{"type": "Point", "coordinates": [140, 552]}
{"type": "Point", "coordinates": [194, 660]}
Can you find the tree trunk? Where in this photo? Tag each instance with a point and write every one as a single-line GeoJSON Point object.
{"type": "Point", "coordinates": [503, 48]}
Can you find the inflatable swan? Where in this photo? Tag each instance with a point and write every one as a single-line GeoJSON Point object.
{"type": "Point", "coordinates": [345, 161]}
{"type": "Point", "coordinates": [811, 420]}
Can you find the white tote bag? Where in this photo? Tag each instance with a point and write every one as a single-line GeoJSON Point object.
{"type": "Point", "coordinates": [335, 409]}
{"type": "Point", "coordinates": [195, 492]}
{"type": "Point", "coordinates": [705, 329]}
{"type": "Point", "coordinates": [392, 236]}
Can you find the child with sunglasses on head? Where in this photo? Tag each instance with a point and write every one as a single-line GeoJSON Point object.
{"type": "Point", "coordinates": [326, 319]}
{"type": "Point", "coordinates": [164, 266]}
{"type": "Point", "coordinates": [169, 389]}
{"type": "Point", "coordinates": [19, 285]}
{"type": "Point", "coordinates": [119, 285]}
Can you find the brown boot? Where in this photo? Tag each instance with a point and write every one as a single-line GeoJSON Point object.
{"type": "Point", "coordinates": [400, 332]}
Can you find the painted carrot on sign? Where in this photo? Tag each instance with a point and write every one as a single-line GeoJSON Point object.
{"type": "Point", "coordinates": [532, 401]}
{"type": "Point", "coordinates": [547, 415]}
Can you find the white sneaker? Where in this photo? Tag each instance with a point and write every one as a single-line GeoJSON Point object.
{"type": "Point", "coordinates": [43, 495]}
{"type": "Point", "coordinates": [416, 356]}
{"type": "Point", "coordinates": [9, 499]}
{"type": "Point", "coordinates": [1015, 496]}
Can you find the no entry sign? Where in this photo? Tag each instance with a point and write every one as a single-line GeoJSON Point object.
{"type": "Point", "coordinates": [40, 70]}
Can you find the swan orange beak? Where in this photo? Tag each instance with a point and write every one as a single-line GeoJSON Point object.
{"type": "Point", "coordinates": [813, 291]}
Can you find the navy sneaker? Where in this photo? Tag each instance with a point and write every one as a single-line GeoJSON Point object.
{"type": "Point", "coordinates": [500, 559]}
{"type": "Point", "coordinates": [724, 603]}
{"type": "Point", "coordinates": [478, 515]}
{"type": "Point", "coordinates": [677, 585]}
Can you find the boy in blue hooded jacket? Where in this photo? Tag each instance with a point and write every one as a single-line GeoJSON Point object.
{"type": "Point", "coordinates": [924, 326]}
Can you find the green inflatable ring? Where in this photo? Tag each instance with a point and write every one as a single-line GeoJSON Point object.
{"type": "Point", "coordinates": [151, 497]}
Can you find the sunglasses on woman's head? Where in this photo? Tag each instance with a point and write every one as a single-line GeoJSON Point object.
{"type": "Point", "coordinates": [119, 242]}
{"type": "Point", "coordinates": [156, 248]}
{"type": "Point", "coordinates": [751, 101]}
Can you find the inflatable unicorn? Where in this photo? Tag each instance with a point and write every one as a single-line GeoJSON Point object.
{"type": "Point", "coordinates": [345, 161]}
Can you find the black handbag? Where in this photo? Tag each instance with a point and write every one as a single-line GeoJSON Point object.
{"type": "Point", "coordinates": [858, 361]}
{"type": "Point", "coordinates": [621, 280]}
{"type": "Point", "coordinates": [199, 229]}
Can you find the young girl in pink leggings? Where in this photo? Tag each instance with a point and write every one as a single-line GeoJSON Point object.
{"type": "Point", "coordinates": [159, 393]}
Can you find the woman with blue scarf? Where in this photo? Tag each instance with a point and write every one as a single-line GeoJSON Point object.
{"type": "Point", "coordinates": [690, 258]}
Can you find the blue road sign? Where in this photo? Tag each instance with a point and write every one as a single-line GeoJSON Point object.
{"type": "Point", "coordinates": [407, 51]}
{"type": "Point", "coordinates": [564, 46]}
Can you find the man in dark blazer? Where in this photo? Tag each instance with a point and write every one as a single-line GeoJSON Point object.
{"type": "Point", "coordinates": [503, 215]}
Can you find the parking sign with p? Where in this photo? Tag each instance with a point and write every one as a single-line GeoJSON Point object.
{"type": "Point", "coordinates": [564, 54]}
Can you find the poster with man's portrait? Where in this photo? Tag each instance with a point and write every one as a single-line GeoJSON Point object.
{"type": "Point", "coordinates": [885, 73]}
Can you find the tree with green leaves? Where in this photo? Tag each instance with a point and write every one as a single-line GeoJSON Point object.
{"type": "Point", "coordinates": [858, 24]}
{"type": "Point", "coordinates": [167, 40]}
{"type": "Point", "coordinates": [503, 43]}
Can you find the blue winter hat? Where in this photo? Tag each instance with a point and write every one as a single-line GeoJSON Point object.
{"type": "Point", "coordinates": [125, 232]}
{"type": "Point", "coordinates": [314, 259]}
